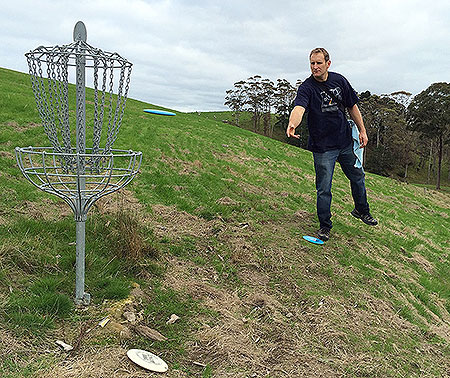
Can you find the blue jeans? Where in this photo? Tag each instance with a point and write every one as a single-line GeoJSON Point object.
{"type": "Point", "coordinates": [324, 163]}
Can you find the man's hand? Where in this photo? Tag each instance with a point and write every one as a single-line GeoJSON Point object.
{"type": "Point", "coordinates": [356, 116]}
{"type": "Point", "coordinates": [294, 120]}
{"type": "Point", "coordinates": [290, 132]}
{"type": "Point", "coordinates": [363, 139]}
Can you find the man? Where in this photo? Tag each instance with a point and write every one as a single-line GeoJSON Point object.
{"type": "Point", "coordinates": [325, 94]}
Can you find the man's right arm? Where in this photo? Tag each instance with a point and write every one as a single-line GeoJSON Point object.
{"type": "Point", "coordinates": [294, 120]}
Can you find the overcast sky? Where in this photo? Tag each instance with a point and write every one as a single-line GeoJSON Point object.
{"type": "Point", "coordinates": [187, 53]}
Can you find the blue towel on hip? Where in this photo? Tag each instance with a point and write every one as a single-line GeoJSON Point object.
{"type": "Point", "coordinates": [357, 150]}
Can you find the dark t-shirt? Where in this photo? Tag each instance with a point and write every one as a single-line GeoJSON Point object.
{"type": "Point", "coordinates": [327, 125]}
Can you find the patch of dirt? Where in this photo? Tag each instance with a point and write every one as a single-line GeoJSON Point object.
{"type": "Point", "coordinates": [251, 332]}
{"type": "Point", "coordinates": [22, 128]}
{"type": "Point", "coordinates": [119, 201]}
{"type": "Point", "coordinates": [46, 209]}
{"type": "Point", "coordinates": [95, 362]}
{"type": "Point", "coordinates": [12, 345]}
{"type": "Point", "coordinates": [7, 154]}
{"type": "Point", "coordinates": [227, 201]}
{"type": "Point", "coordinates": [421, 261]}
{"type": "Point", "coordinates": [440, 198]}
{"type": "Point", "coordinates": [256, 333]}
{"type": "Point", "coordinates": [168, 221]}
{"type": "Point", "coordinates": [186, 167]}
{"type": "Point", "coordinates": [242, 158]}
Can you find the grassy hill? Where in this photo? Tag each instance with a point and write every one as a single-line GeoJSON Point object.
{"type": "Point", "coordinates": [211, 230]}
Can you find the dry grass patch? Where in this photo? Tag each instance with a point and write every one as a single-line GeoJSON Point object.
{"type": "Point", "coordinates": [123, 199]}
{"type": "Point", "coordinates": [255, 333]}
{"type": "Point", "coordinates": [167, 221]}
{"type": "Point", "coordinates": [95, 362]}
{"type": "Point", "coordinates": [46, 209]}
{"type": "Point", "coordinates": [12, 345]}
{"type": "Point", "coordinates": [22, 128]}
{"type": "Point", "coordinates": [184, 167]}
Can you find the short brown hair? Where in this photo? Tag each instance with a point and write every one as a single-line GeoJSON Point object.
{"type": "Point", "coordinates": [319, 50]}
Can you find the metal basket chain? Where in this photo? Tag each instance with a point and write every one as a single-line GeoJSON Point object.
{"type": "Point", "coordinates": [47, 103]}
{"type": "Point", "coordinates": [37, 83]}
{"type": "Point", "coordinates": [100, 163]}
{"type": "Point", "coordinates": [110, 106]}
{"type": "Point", "coordinates": [116, 124]}
{"type": "Point", "coordinates": [65, 97]}
{"type": "Point", "coordinates": [56, 86]}
{"type": "Point", "coordinates": [102, 106]}
{"type": "Point", "coordinates": [121, 101]}
{"type": "Point", "coordinates": [51, 105]}
{"type": "Point", "coordinates": [81, 110]}
{"type": "Point", "coordinates": [97, 122]}
{"type": "Point", "coordinates": [125, 96]}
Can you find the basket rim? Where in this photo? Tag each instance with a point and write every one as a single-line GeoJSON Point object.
{"type": "Point", "coordinates": [114, 152]}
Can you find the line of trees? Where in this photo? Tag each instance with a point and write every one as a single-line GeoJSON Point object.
{"type": "Point", "coordinates": [429, 115]}
{"type": "Point", "coordinates": [262, 98]}
{"type": "Point", "coordinates": [404, 131]}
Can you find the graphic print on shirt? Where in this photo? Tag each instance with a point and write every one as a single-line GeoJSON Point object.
{"type": "Point", "coordinates": [328, 104]}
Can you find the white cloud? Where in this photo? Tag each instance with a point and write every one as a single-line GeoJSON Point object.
{"type": "Point", "coordinates": [187, 53]}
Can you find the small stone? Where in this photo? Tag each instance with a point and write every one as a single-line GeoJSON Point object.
{"type": "Point", "coordinates": [65, 346]}
{"type": "Point", "coordinates": [173, 318]}
{"type": "Point", "coordinates": [130, 316]}
{"type": "Point", "coordinates": [149, 333]}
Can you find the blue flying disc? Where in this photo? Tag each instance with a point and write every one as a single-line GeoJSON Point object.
{"type": "Point", "coordinates": [312, 239]}
{"type": "Point", "coordinates": [159, 112]}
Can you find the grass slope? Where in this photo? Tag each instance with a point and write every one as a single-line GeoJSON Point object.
{"type": "Point", "coordinates": [211, 231]}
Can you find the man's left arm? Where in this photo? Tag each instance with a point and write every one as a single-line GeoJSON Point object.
{"type": "Point", "coordinates": [356, 116]}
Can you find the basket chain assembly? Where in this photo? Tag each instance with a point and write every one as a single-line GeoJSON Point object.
{"type": "Point", "coordinates": [76, 167]}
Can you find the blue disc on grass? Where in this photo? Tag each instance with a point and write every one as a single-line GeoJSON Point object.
{"type": "Point", "coordinates": [159, 112]}
{"type": "Point", "coordinates": [312, 239]}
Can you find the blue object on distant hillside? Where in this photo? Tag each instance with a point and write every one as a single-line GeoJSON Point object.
{"type": "Point", "coordinates": [312, 239]}
{"type": "Point", "coordinates": [159, 112]}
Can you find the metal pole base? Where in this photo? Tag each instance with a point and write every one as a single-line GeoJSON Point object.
{"type": "Point", "coordinates": [84, 301]}
{"type": "Point", "coordinates": [81, 298]}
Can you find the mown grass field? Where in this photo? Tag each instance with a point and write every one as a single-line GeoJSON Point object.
{"type": "Point", "coordinates": [211, 230]}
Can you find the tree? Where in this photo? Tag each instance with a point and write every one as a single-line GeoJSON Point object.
{"type": "Point", "coordinates": [429, 114]}
{"type": "Point", "coordinates": [405, 139]}
{"type": "Point", "coordinates": [402, 97]}
{"type": "Point", "coordinates": [255, 92]}
{"type": "Point", "coordinates": [267, 101]}
{"type": "Point", "coordinates": [379, 113]}
{"type": "Point", "coordinates": [284, 95]}
{"type": "Point", "coordinates": [258, 96]}
{"type": "Point", "coordinates": [236, 99]}
{"type": "Point", "coordinates": [391, 148]}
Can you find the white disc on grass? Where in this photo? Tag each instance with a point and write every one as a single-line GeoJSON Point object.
{"type": "Point", "coordinates": [147, 360]}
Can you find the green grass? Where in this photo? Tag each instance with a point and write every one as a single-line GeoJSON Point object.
{"type": "Point", "coordinates": [222, 211]}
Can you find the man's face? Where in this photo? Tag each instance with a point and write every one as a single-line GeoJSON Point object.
{"type": "Point", "coordinates": [319, 67]}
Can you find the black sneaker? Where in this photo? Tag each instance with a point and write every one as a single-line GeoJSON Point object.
{"type": "Point", "coordinates": [323, 233]}
{"type": "Point", "coordinates": [366, 218]}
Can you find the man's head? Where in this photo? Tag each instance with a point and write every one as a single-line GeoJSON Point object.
{"type": "Point", "coordinates": [320, 62]}
{"type": "Point", "coordinates": [320, 50]}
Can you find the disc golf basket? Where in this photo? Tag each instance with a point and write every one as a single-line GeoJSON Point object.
{"type": "Point", "coordinates": [80, 166]}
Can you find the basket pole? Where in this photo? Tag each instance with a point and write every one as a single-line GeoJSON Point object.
{"type": "Point", "coordinates": [81, 298]}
